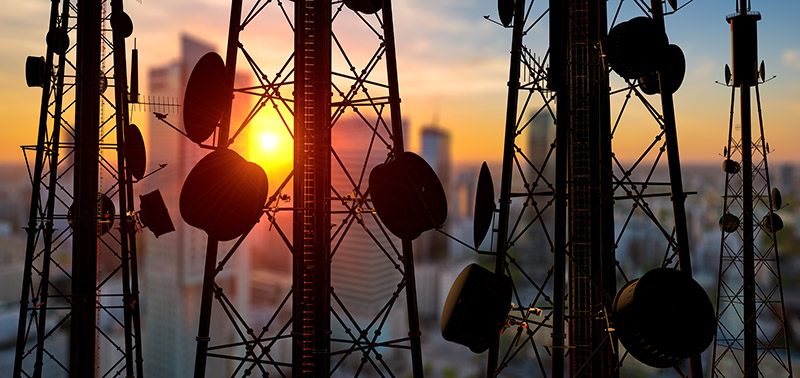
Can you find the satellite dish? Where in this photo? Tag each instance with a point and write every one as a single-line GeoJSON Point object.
{"type": "Point", "coordinates": [364, 6]}
{"type": "Point", "coordinates": [408, 196]}
{"type": "Point", "coordinates": [729, 223]}
{"type": "Point", "coordinates": [106, 209]}
{"type": "Point", "coordinates": [476, 308]}
{"type": "Point", "coordinates": [772, 222]}
{"type": "Point", "coordinates": [154, 214]}
{"type": "Point", "coordinates": [505, 8]}
{"type": "Point", "coordinates": [58, 40]}
{"type": "Point", "coordinates": [224, 195]}
{"type": "Point", "coordinates": [135, 156]}
{"type": "Point", "coordinates": [731, 167]}
{"type": "Point", "coordinates": [727, 75]}
{"type": "Point", "coordinates": [636, 48]}
{"type": "Point", "coordinates": [672, 73]}
{"type": "Point", "coordinates": [121, 23]}
{"type": "Point", "coordinates": [36, 74]}
{"type": "Point", "coordinates": [207, 94]}
{"type": "Point", "coordinates": [777, 199]}
{"type": "Point", "coordinates": [664, 317]}
{"type": "Point", "coordinates": [484, 205]}
{"type": "Point", "coordinates": [762, 72]}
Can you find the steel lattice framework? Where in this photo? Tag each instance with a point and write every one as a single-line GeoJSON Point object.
{"type": "Point", "coordinates": [752, 339]}
{"type": "Point", "coordinates": [341, 107]}
{"type": "Point", "coordinates": [79, 302]}
{"type": "Point", "coordinates": [580, 201]}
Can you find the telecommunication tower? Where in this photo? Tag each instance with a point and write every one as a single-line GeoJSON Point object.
{"type": "Point", "coordinates": [752, 339]}
{"type": "Point", "coordinates": [341, 107]}
{"type": "Point", "coordinates": [584, 201]}
{"type": "Point", "coordinates": [79, 308]}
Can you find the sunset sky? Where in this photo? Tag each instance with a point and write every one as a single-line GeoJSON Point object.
{"type": "Point", "coordinates": [453, 67]}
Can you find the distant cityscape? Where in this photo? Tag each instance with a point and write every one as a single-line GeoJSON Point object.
{"type": "Point", "coordinates": [171, 266]}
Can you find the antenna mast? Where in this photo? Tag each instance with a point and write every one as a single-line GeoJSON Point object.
{"type": "Point", "coordinates": [752, 339]}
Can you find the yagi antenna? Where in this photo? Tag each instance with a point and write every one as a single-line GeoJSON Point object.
{"type": "Point", "coordinates": [156, 104]}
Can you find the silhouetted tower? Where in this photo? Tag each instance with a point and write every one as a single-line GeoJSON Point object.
{"type": "Point", "coordinates": [752, 339]}
{"type": "Point", "coordinates": [336, 230]}
{"type": "Point", "coordinates": [93, 287]}
{"type": "Point", "coordinates": [576, 309]}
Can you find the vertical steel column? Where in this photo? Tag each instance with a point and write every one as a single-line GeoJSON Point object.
{"type": "Point", "coordinates": [676, 182]}
{"type": "Point", "coordinates": [126, 231]}
{"type": "Point", "coordinates": [556, 82]}
{"type": "Point", "coordinates": [84, 247]}
{"type": "Point", "coordinates": [748, 250]}
{"type": "Point", "coordinates": [414, 332]}
{"type": "Point", "coordinates": [33, 218]}
{"type": "Point", "coordinates": [603, 197]}
{"type": "Point", "coordinates": [209, 271]}
{"type": "Point", "coordinates": [586, 280]}
{"type": "Point", "coordinates": [312, 181]}
{"type": "Point", "coordinates": [508, 161]}
{"type": "Point", "coordinates": [748, 264]}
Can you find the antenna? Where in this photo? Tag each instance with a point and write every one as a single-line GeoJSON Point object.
{"type": "Point", "coordinates": [752, 329]}
{"type": "Point", "coordinates": [92, 211]}
{"type": "Point", "coordinates": [357, 195]}
{"type": "Point", "coordinates": [575, 186]}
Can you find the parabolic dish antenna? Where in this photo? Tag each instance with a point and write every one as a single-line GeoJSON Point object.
{"type": "Point", "coordinates": [224, 195]}
{"type": "Point", "coordinates": [364, 6]}
{"type": "Point", "coordinates": [134, 151]}
{"type": "Point", "coordinates": [505, 9]}
{"type": "Point", "coordinates": [484, 205]}
{"type": "Point", "coordinates": [408, 196]}
{"type": "Point", "coordinates": [206, 97]}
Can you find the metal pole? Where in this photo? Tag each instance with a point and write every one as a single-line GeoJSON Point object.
{"type": "Point", "coordinates": [508, 160]}
{"type": "Point", "coordinates": [676, 182]}
{"type": "Point", "coordinates": [557, 83]}
{"type": "Point", "coordinates": [84, 247]}
{"type": "Point", "coordinates": [203, 337]}
{"type": "Point", "coordinates": [121, 104]}
{"type": "Point", "coordinates": [230, 65]}
{"type": "Point", "coordinates": [312, 276]}
{"type": "Point", "coordinates": [748, 263]}
{"type": "Point", "coordinates": [414, 332]}
{"type": "Point", "coordinates": [748, 269]}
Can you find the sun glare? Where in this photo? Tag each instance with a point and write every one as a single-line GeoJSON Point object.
{"type": "Point", "coordinates": [271, 147]}
{"type": "Point", "coordinates": [269, 141]}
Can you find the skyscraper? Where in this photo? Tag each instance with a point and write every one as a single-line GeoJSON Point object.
{"type": "Point", "coordinates": [435, 146]}
{"type": "Point", "coordinates": [172, 266]}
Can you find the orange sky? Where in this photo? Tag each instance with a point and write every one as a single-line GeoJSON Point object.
{"type": "Point", "coordinates": [453, 68]}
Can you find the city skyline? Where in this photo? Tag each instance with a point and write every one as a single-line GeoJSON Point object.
{"type": "Point", "coordinates": [353, 225]}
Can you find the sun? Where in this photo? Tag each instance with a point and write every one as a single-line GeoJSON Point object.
{"type": "Point", "coordinates": [268, 141]}
{"type": "Point", "coordinates": [271, 147]}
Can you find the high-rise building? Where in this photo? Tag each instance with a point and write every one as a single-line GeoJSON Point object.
{"type": "Point", "coordinates": [435, 146]}
{"type": "Point", "coordinates": [431, 249]}
{"type": "Point", "coordinates": [171, 267]}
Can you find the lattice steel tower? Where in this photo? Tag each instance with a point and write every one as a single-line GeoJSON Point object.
{"type": "Point", "coordinates": [752, 339]}
{"type": "Point", "coordinates": [341, 106]}
{"type": "Point", "coordinates": [583, 202]}
{"type": "Point", "coordinates": [80, 259]}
